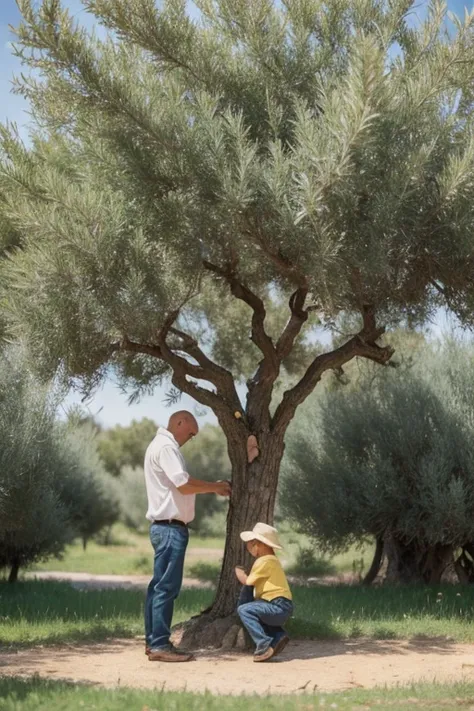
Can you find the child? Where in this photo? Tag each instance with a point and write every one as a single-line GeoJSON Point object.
{"type": "Point", "coordinates": [265, 602]}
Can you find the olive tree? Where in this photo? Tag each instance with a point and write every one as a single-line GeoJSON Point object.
{"type": "Point", "coordinates": [52, 485]}
{"type": "Point", "coordinates": [34, 522]}
{"type": "Point", "coordinates": [90, 493]}
{"type": "Point", "coordinates": [392, 459]}
{"type": "Point", "coordinates": [121, 446]}
{"type": "Point", "coordinates": [199, 193]}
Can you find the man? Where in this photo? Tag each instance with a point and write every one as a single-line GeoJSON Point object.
{"type": "Point", "coordinates": [171, 496]}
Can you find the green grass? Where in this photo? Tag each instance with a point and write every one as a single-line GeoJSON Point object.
{"type": "Point", "coordinates": [47, 613]}
{"type": "Point", "coordinates": [128, 553]}
{"type": "Point", "coordinates": [206, 572]}
{"type": "Point", "coordinates": [50, 613]}
{"type": "Point", "coordinates": [384, 612]}
{"type": "Point", "coordinates": [42, 695]}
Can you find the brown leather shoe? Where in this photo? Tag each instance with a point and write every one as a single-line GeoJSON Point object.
{"type": "Point", "coordinates": [147, 651]}
{"type": "Point", "coordinates": [264, 656]}
{"type": "Point", "coordinates": [280, 645]}
{"type": "Point", "coordinates": [170, 655]}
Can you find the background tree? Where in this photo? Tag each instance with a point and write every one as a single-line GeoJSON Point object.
{"type": "Point", "coordinates": [207, 459]}
{"type": "Point", "coordinates": [319, 154]}
{"type": "Point", "coordinates": [134, 502]}
{"type": "Point", "coordinates": [125, 446]}
{"type": "Point", "coordinates": [90, 494]}
{"type": "Point", "coordinates": [391, 460]}
{"type": "Point", "coordinates": [34, 522]}
{"type": "Point", "coordinates": [53, 487]}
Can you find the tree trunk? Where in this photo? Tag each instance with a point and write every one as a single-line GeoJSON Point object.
{"type": "Point", "coordinates": [376, 563]}
{"type": "Point", "coordinates": [253, 499]}
{"type": "Point", "coordinates": [13, 577]}
{"type": "Point", "coordinates": [414, 562]}
{"type": "Point", "coordinates": [254, 488]}
{"type": "Point", "coordinates": [464, 564]}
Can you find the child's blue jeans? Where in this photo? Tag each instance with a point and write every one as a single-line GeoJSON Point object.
{"type": "Point", "coordinates": [263, 619]}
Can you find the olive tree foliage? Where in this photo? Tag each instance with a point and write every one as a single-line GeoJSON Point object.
{"type": "Point", "coordinates": [53, 487]}
{"type": "Point", "coordinates": [90, 493]}
{"type": "Point", "coordinates": [34, 521]}
{"type": "Point", "coordinates": [191, 183]}
{"type": "Point", "coordinates": [394, 460]}
{"type": "Point", "coordinates": [125, 446]}
{"type": "Point", "coordinates": [133, 496]}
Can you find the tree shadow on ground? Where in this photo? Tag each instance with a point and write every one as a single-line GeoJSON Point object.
{"type": "Point", "coordinates": [315, 649]}
{"type": "Point", "coordinates": [96, 633]}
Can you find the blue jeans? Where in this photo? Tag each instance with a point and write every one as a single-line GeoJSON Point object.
{"type": "Point", "coordinates": [263, 619]}
{"type": "Point", "coordinates": [169, 542]}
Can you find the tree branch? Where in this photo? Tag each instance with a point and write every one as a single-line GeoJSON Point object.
{"type": "Point", "coordinates": [362, 345]}
{"type": "Point", "coordinates": [261, 385]}
{"type": "Point", "coordinates": [299, 316]}
{"type": "Point", "coordinates": [438, 287]}
{"type": "Point", "coordinates": [192, 348]}
{"type": "Point", "coordinates": [201, 395]}
{"type": "Point", "coordinates": [156, 351]}
{"type": "Point", "coordinates": [259, 336]}
{"type": "Point", "coordinates": [219, 376]}
{"type": "Point", "coordinates": [224, 404]}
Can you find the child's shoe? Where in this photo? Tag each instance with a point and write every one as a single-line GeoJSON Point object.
{"type": "Point", "coordinates": [280, 645]}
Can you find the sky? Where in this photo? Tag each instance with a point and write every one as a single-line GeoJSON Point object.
{"type": "Point", "coordinates": [110, 405]}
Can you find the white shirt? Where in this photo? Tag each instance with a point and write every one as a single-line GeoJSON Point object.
{"type": "Point", "coordinates": [165, 470]}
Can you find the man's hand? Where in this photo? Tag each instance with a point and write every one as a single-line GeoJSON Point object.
{"type": "Point", "coordinates": [241, 576]}
{"type": "Point", "coordinates": [223, 488]}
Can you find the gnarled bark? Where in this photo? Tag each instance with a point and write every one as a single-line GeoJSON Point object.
{"type": "Point", "coordinates": [254, 488]}
{"type": "Point", "coordinates": [414, 562]}
{"type": "Point", "coordinates": [464, 564]}
{"type": "Point", "coordinates": [14, 570]}
{"type": "Point", "coordinates": [376, 563]}
{"type": "Point", "coordinates": [205, 631]}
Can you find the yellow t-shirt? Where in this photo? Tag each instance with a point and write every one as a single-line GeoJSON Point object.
{"type": "Point", "coordinates": [269, 579]}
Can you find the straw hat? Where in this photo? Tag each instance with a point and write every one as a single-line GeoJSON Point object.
{"type": "Point", "coordinates": [264, 533]}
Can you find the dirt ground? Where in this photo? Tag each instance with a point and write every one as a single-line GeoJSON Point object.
{"type": "Point", "coordinates": [86, 581]}
{"type": "Point", "coordinates": [304, 666]}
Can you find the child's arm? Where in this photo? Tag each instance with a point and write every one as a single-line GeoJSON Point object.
{"type": "Point", "coordinates": [241, 576]}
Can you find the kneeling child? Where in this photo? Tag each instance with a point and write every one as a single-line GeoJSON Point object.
{"type": "Point", "coordinates": [265, 602]}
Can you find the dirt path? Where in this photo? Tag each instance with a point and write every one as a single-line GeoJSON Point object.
{"type": "Point", "coordinates": [87, 581]}
{"type": "Point", "coordinates": [303, 666]}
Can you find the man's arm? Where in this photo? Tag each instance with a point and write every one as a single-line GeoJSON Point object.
{"type": "Point", "coordinates": [172, 466]}
{"type": "Point", "coordinates": [198, 486]}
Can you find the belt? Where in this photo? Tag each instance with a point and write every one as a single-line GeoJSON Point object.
{"type": "Point", "coordinates": [168, 521]}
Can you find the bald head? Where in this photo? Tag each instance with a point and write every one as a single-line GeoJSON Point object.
{"type": "Point", "coordinates": [183, 426]}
